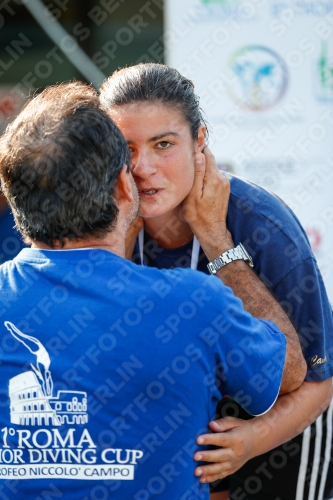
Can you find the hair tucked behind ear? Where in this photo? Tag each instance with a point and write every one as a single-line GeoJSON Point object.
{"type": "Point", "coordinates": [154, 83]}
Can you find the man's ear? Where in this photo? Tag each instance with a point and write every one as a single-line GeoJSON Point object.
{"type": "Point", "coordinates": [124, 185]}
{"type": "Point", "coordinates": [200, 142]}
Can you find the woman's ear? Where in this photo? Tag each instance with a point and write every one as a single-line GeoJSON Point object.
{"type": "Point", "coordinates": [201, 142]}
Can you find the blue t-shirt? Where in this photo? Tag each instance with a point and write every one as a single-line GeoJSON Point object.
{"type": "Point", "coordinates": [110, 370]}
{"type": "Point", "coordinates": [10, 239]}
{"type": "Point", "coordinates": [283, 260]}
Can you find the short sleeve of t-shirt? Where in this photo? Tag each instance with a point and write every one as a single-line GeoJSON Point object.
{"type": "Point", "coordinates": [305, 301]}
{"type": "Point", "coordinates": [284, 261]}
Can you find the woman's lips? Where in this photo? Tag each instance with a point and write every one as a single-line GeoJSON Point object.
{"type": "Point", "coordinates": [149, 193]}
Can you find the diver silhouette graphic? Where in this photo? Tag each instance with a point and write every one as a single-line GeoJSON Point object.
{"type": "Point", "coordinates": [31, 393]}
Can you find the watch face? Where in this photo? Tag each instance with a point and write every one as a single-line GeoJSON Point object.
{"type": "Point", "coordinates": [247, 255]}
{"type": "Point", "coordinates": [211, 268]}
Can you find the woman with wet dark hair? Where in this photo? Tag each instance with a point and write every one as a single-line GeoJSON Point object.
{"type": "Point", "coordinates": [191, 215]}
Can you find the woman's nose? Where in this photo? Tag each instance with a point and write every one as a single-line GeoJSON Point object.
{"type": "Point", "coordinates": [142, 166]}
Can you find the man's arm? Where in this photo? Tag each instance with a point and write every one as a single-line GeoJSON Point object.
{"type": "Point", "coordinates": [261, 304]}
{"type": "Point", "coordinates": [244, 439]}
{"type": "Point", "coordinates": [205, 209]}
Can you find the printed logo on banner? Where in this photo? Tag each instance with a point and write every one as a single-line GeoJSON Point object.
{"type": "Point", "coordinates": [269, 172]}
{"type": "Point", "coordinates": [258, 78]}
{"type": "Point", "coordinates": [47, 451]}
{"type": "Point", "coordinates": [221, 10]}
{"type": "Point", "coordinates": [297, 7]}
{"type": "Point", "coordinates": [324, 75]}
{"type": "Point", "coordinates": [224, 3]}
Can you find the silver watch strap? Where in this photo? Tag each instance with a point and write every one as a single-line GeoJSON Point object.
{"type": "Point", "coordinates": [237, 253]}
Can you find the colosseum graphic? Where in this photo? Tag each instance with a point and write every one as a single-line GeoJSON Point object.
{"type": "Point", "coordinates": [31, 393]}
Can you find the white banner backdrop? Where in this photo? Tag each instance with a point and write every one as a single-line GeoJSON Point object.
{"type": "Point", "coordinates": [264, 73]}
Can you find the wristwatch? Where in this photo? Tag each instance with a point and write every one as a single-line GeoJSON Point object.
{"type": "Point", "coordinates": [237, 253]}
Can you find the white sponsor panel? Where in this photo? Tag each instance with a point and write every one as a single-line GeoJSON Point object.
{"type": "Point", "coordinates": [264, 74]}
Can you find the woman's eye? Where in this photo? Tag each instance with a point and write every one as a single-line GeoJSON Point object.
{"type": "Point", "coordinates": [163, 144]}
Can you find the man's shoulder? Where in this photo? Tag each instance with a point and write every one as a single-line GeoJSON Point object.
{"type": "Point", "coordinates": [186, 287]}
{"type": "Point", "coordinates": [6, 269]}
{"type": "Point", "coordinates": [184, 277]}
{"type": "Point", "coordinates": [107, 268]}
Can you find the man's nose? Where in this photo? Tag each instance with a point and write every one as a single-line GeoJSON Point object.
{"type": "Point", "coordinates": [142, 166]}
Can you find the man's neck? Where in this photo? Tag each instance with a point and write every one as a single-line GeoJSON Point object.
{"type": "Point", "coordinates": [114, 244]}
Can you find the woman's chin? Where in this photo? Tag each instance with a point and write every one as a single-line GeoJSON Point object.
{"type": "Point", "coordinates": [157, 211]}
{"type": "Point", "coordinates": [145, 214]}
